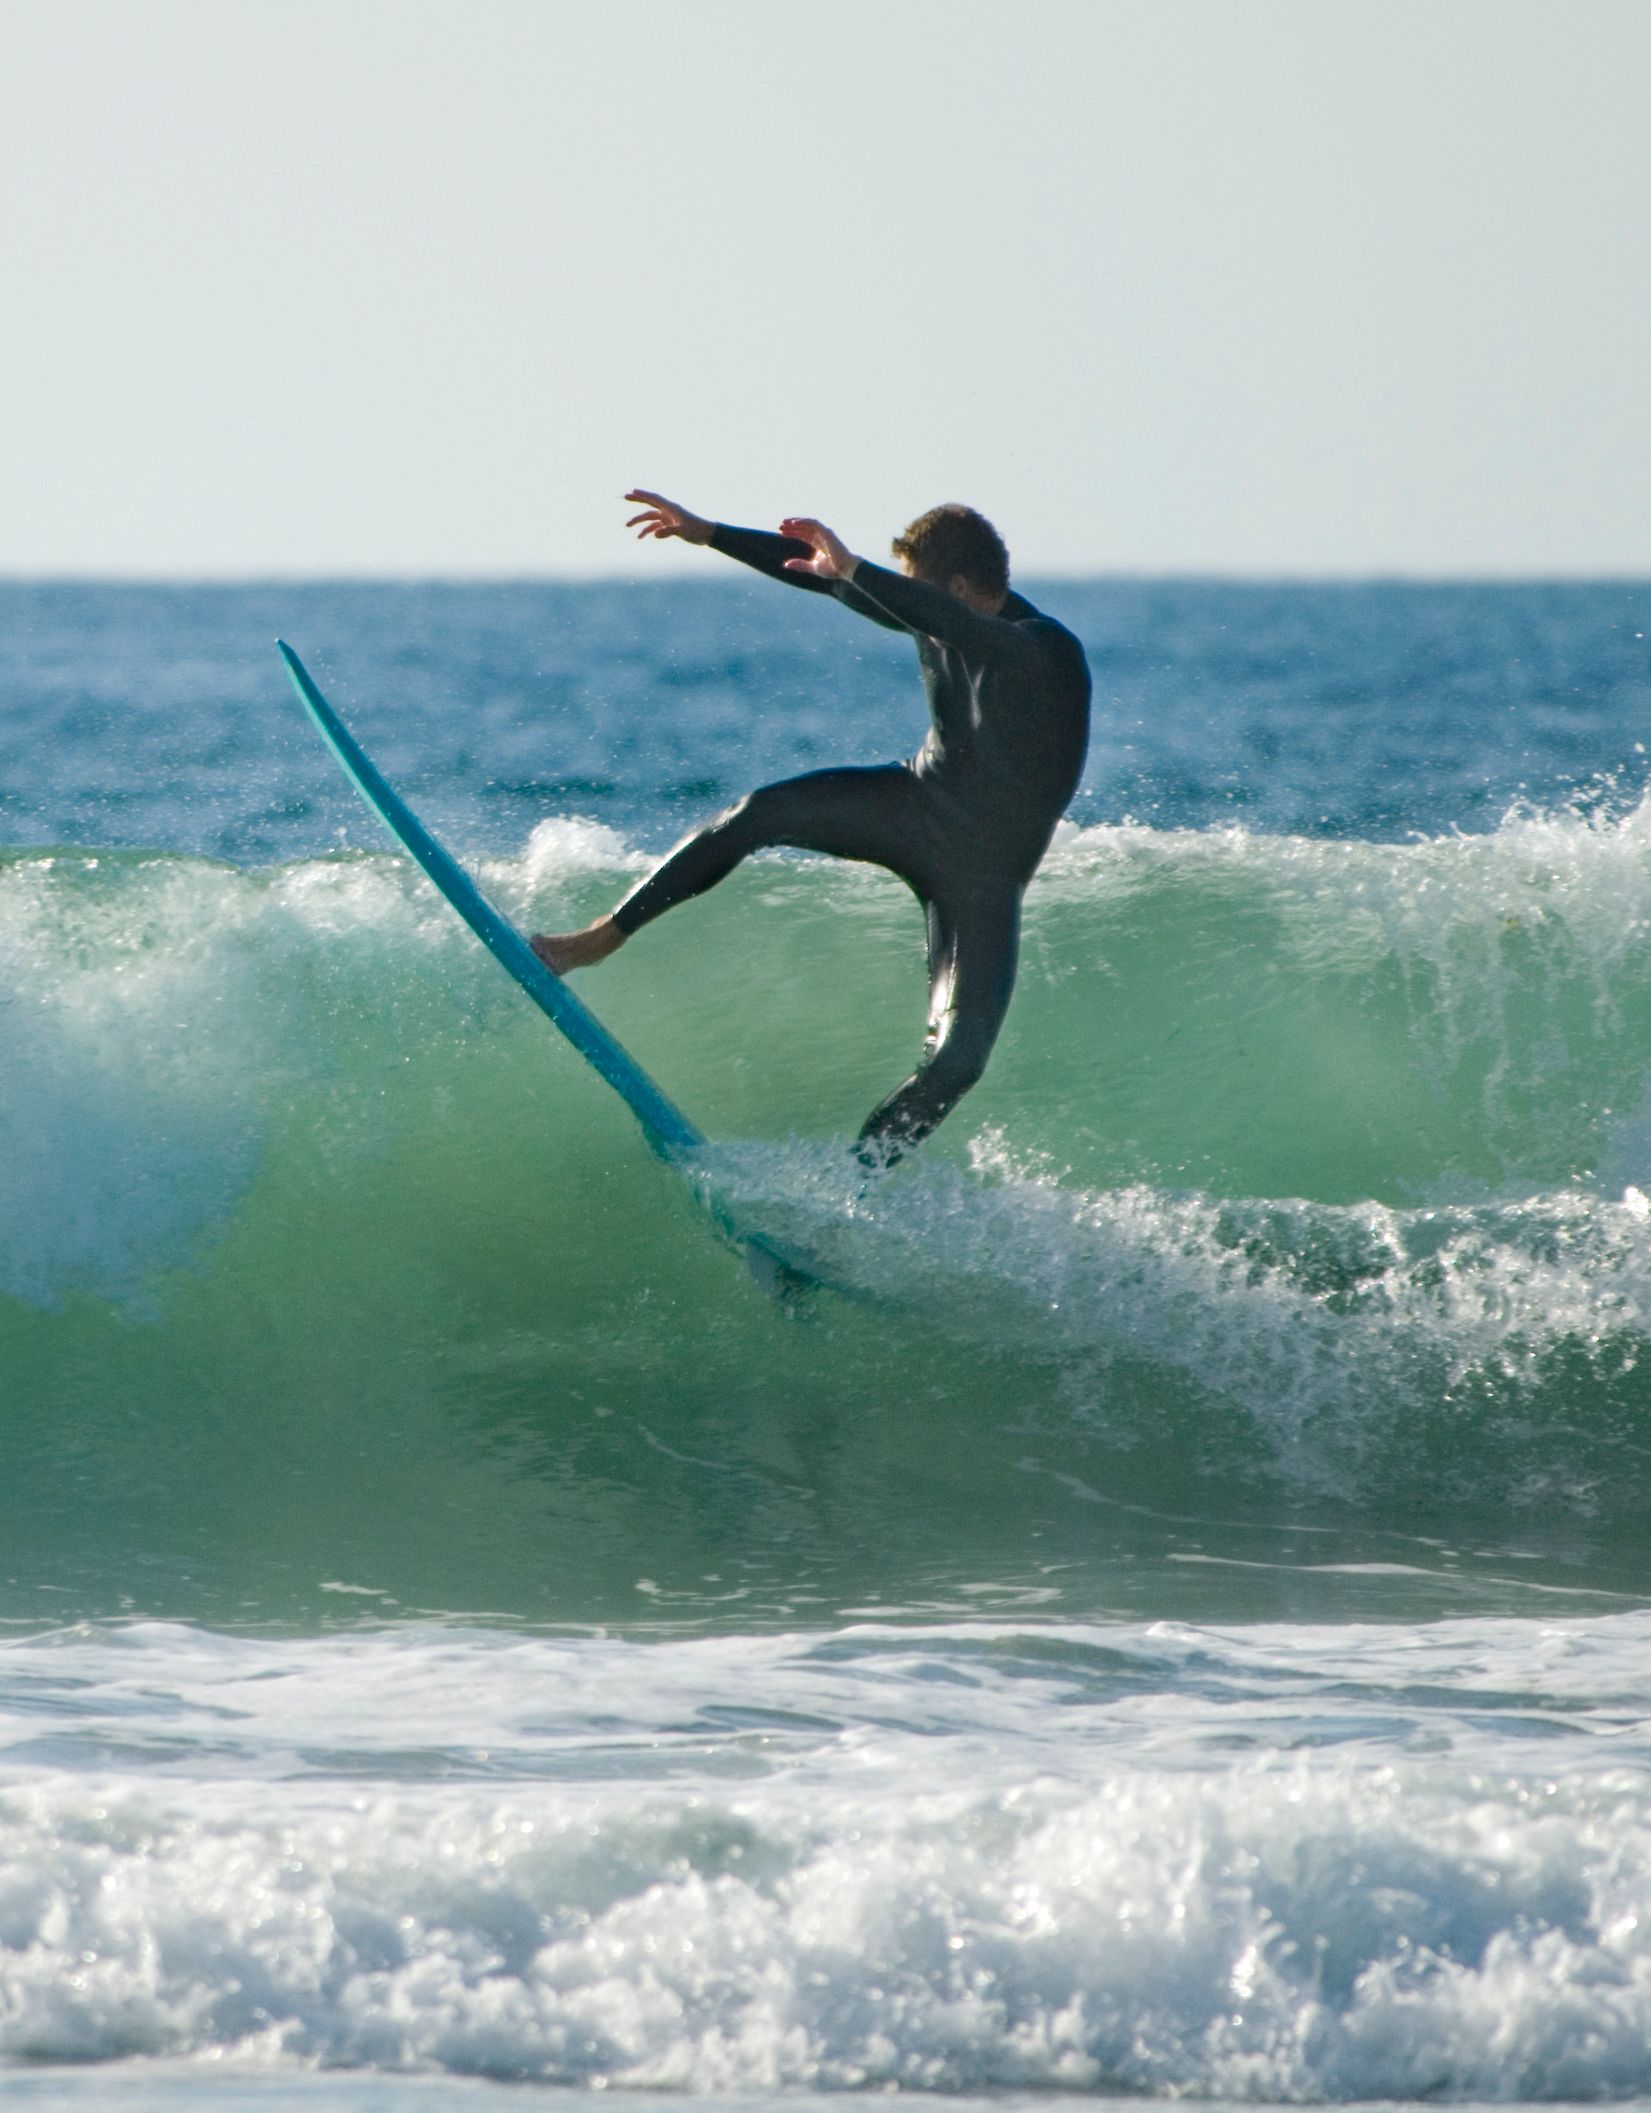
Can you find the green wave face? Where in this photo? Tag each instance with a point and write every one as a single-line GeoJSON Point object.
{"type": "Point", "coordinates": [1302, 1200]}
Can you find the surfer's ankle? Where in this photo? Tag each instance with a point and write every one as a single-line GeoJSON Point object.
{"type": "Point", "coordinates": [606, 937]}
{"type": "Point", "coordinates": [562, 951]}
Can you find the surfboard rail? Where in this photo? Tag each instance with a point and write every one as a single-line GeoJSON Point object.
{"type": "Point", "coordinates": [668, 1131]}
{"type": "Point", "coordinates": [663, 1123]}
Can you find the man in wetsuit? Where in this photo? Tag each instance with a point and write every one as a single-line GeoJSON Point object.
{"type": "Point", "coordinates": [963, 823]}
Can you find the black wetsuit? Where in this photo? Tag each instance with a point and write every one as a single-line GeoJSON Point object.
{"type": "Point", "coordinates": [963, 823]}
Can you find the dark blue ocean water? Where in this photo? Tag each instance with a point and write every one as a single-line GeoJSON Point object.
{"type": "Point", "coordinates": [1178, 1624]}
{"type": "Point", "coordinates": [154, 716]}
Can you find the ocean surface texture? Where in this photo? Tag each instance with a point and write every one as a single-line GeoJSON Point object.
{"type": "Point", "coordinates": [1176, 1621]}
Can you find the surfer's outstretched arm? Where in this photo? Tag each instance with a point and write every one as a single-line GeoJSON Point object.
{"type": "Point", "coordinates": [664, 521]}
{"type": "Point", "coordinates": [786, 558]}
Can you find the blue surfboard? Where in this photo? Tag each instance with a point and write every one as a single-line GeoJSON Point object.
{"type": "Point", "coordinates": [672, 1136]}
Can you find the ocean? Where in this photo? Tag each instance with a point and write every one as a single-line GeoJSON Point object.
{"type": "Point", "coordinates": [1174, 1621]}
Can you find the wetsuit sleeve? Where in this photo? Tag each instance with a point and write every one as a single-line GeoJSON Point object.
{"type": "Point", "coordinates": [768, 553]}
{"type": "Point", "coordinates": [916, 606]}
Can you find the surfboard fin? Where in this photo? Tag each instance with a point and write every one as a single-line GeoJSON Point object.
{"type": "Point", "coordinates": [783, 1281]}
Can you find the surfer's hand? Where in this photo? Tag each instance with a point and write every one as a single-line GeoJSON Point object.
{"type": "Point", "coordinates": [664, 519]}
{"type": "Point", "coordinates": [832, 558]}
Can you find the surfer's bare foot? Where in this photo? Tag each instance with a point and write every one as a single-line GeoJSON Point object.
{"type": "Point", "coordinates": [561, 951]}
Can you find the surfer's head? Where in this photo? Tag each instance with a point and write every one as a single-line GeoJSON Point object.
{"type": "Point", "coordinates": [956, 548]}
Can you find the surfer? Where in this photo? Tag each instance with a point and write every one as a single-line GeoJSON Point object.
{"type": "Point", "coordinates": [963, 823]}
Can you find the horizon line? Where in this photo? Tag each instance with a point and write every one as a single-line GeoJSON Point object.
{"type": "Point", "coordinates": [678, 576]}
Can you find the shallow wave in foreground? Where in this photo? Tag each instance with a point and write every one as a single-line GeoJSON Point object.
{"type": "Point", "coordinates": [1280, 1864]}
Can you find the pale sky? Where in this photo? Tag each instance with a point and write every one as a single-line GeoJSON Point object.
{"type": "Point", "coordinates": [420, 286]}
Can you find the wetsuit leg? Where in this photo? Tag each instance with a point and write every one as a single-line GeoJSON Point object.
{"type": "Point", "coordinates": [882, 816]}
{"type": "Point", "coordinates": [878, 815]}
{"type": "Point", "coordinates": [974, 942]}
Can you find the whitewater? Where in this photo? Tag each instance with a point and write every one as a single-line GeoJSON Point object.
{"type": "Point", "coordinates": [1172, 1621]}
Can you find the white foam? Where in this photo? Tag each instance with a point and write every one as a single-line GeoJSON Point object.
{"type": "Point", "coordinates": [1546, 894]}
{"type": "Point", "coordinates": [161, 1014]}
{"type": "Point", "coordinates": [132, 1030]}
{"type": "Point", "coordinates": [1274, 1865]}
{"type": "Point", "coordinates": [1332, 1327]}
{"type": "Point", "coordinates": [163, 1017]}
{"type": "Point", "coordinates": [567, 848]}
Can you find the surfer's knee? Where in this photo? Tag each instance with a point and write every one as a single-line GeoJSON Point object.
{"type": "Point", "coordinates": [958, 1059]}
